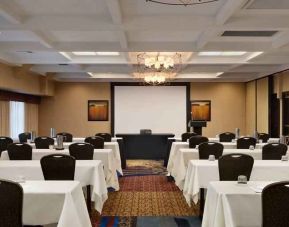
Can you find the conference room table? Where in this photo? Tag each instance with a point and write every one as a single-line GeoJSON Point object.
{"type": "Point", "coordinates": [48, 202]}
{"type": "Point", "coordinates": [229, 204]}
{"type": "Point", "coordinates": [179, 164]}
{"type": "Point", "coordinates": [107, 145]}
{"type": "Point", "coordinates": [87, 172]}
{"type": "Point", "coordinates": [176, 146]}
{"type": "Point", "coordinates": [105, 155]}
{"type": "Point", "coordinates": [201, 172]}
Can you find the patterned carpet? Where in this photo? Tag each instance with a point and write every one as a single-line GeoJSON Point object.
{"type": "Point", "coordinates": [146, 199]}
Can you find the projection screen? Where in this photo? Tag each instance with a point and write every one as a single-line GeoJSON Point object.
{"type": "Point", "coordinates": [159, 108]}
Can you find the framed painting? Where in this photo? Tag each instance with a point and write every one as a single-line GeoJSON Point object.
{"type": "Point", "coordinates": [201, 110]}
{"type": "Point", "coordinates": [98, 110]}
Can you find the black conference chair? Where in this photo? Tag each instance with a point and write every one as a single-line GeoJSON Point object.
{"type": "Point", "coordinates": [274, 151]}
{"type": "Point", "coordinates": [227, 137]}
{"type": "Point", "coordinates": [187, 135]}
{"type": "Point", "coordinates": [11, 203]}
{"type": "Point", "coordinates": [81, 151]}
{"type": "Point", "coordinates": [275, 205]}
{"type": "Point", "coordinates": [233, 165]}
{"type": "Point", "coordinates": [210, 148]}
{"type": "Point", "coordinates": [4, 142]}
{"type": "Point", "coordinates": [43, 142]}
{"type": "Point", "coordinates": [197, 140]}
{"type": "Point", "coordinates": [23, 137]}
{"type": "Point", "coordinates": [105, 136]}
{"type": "Point", "coordinates": [58, 167]}
{"type": "Point", "coordinates": [67, 137]}
{"type": "Point", "coordinates": [246, 142]}
{"type": "Point", "coordinates": [19, 151]}
{"type": "Point", "coordinates": [96, 141]}
{"type": "Point", "coordinates": [264, 137]}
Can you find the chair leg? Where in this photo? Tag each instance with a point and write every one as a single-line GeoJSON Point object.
{"type": "Point", "coordinates": [88, 198]}
{"type": "Point", "coordinates": [202, 202]}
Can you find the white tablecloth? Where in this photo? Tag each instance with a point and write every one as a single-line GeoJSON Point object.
{"type": "Point", "coordinates": [81, 139]}
{"type": "Point", "coordinates": [229, 204]}
{"type": "Point", "coordinates": [201, 172]}
{"type": "Point", "coordinates": [107, 145]}
{"type": "Point", "coordinates": [176, 146]}
{"type": "Point", "coordinates": [183, 156]}
{"type": "Point", "coordinates": [88, 172]}
{"type": "Point", "coordinates": [61, 202]}
{"type": "Point", "coordinates": [271, 140]}
{"type": "Point", "coordinates": [105, 155]}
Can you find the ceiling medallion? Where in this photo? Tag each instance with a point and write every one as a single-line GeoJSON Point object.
{"type": "Point", "coordinates": [181, 2]}
{"type": "Point", "coordinates": [157, 68]}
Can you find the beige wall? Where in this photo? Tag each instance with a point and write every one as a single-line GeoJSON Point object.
{"type": "Point", "coordinates": [250, 107]}
{"type": "Point", "coordinates": [20, 80]}
{"type": "Point", "coordinates": [262, 105]}
{"type": "Point", "coordinates": [67, 109]}
{"type": "Point", "coordinates": [228, 105]}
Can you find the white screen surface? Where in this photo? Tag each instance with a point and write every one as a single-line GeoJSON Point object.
{"type": "Point", "coordinates": [161, 109]}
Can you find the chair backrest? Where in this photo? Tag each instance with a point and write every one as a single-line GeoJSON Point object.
{"type": "Point", "coordinates": [58, 167]}
{"type": "Point", "coordinates": [23, 137]}
{"type": "Point", "coordinates": [274, 151]}
{"type": "Point", "coordinates": [43, 142]}
{"type": "Point", "coordinates": [210, 148]}
{"type": "Point", "coordinates": [264, 137]}
{"type": "Point", "coordinates": [275, 205]}
{"type": "Point", "coordinates": [233, 165]}
{"type": "Point", "coordinates": [67, 137]}
{"type": "Point", "coordinates": [246, 142]}
{"type": "Point", "coordinates": [197, 140]}
{"type": "Point", "coordinates": [105, 136]}
{"type": "Point", "coordinates": [19, 151]}
{"type": "Point", "coordinates": [187, 135]}
{"type": "Point", "coordinates": [4, 142]}
{"type": "Point", "coordinates": [11, 203]}
{"type": "Point", "coordinates": [227, 137]}
{"type": "Point", "coordinates": [96, 141]}
{"type": "Point", "coordinates": [81, 151]}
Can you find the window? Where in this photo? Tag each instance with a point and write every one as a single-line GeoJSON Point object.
{"type": "Point", "coordinates": [17, 118]}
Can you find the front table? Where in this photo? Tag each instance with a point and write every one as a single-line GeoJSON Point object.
{"type": "Point", "coordinates": [88, 172]}
{"type": "Point", "coordinates": [47, 202]}
{"type": "Point", "coordinates": [145, 146]}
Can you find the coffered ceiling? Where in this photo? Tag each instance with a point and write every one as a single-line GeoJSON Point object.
{"type": "Point", "coordinates": [227, 40]}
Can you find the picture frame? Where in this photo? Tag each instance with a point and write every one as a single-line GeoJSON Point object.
{"type": "Point", "coordinates": [201, 110]}
{"type": "Point", "coordinates": [97, 110]}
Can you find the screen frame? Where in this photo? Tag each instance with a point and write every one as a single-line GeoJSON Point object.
{"type": "Point", "coordinates": [183, 84]}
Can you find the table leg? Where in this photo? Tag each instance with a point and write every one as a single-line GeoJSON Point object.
{"type": "Point", "coordinates": [88, 198]}
{"type": "Point", "coordinates": [202, 202]}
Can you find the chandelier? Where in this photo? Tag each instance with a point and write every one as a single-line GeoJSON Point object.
{"type": "Point", "coordinates": [181, 2]}
{"type": "Point", "coordinates": [157, 68]}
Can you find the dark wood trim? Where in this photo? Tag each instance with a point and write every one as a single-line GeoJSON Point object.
{"type": "Point", "coordinates": [112, 108]}
{"type": "Point", "coordinates": [14, 96]}
{"type": "Point", "coordinates": [256, 106]}
{"type": "Point", "coordinates": [270, 94]}
{"type": "Point", "coordinates": [112, 92]}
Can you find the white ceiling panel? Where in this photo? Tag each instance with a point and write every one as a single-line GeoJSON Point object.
{"type": "Point", "coordinates": [37, 32]}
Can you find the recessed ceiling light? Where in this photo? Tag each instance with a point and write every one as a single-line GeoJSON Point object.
{"type": "Point", "coordinates": [107, 53]}
{"type": "Point", "coordinates": [222, 53]}
{"type": "Point", "coordinates": [84, 53]}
